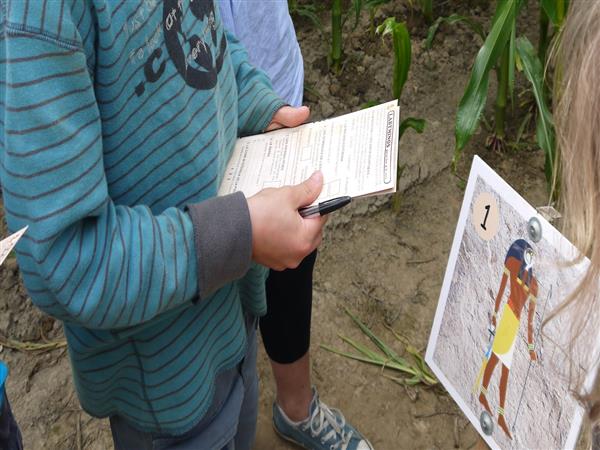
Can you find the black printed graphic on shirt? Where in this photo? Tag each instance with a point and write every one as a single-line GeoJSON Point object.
{"type": "Point", "coordinates": [193, 44]}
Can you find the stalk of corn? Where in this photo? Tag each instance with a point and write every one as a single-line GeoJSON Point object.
{"type": "Point", "coordinates": [336, 35]}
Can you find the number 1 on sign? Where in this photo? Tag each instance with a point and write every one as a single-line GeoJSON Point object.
{"type": "Point", "coordinates": [487, 212]}
{"type": "Point", "coordinates": [485, 218]}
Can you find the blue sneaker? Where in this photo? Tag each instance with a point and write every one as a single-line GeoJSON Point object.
{"type": "Point", "coordinates": [324, 429]}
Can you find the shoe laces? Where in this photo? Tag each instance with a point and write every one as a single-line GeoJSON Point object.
{"type": "Point", "coordinates": [331, 422]}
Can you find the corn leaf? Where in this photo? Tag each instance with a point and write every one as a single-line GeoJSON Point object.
{"type": "Point", "coordinates": [417, 372]}
{"type": "Point", "coordinates": [369, 104]}
{"type": "Point", "coordinates": [357, 6]}
{"type": "Point", "coordinates": [473, 101]}
{"type": "Point", "coordinates": [411, 122]}
{"type": "Point", "coordinates": [367, 352]}
{"type": "Point", "coordinates": [389, 352]}
{"type": "Point", "coordinates": [370, 4]}
{"type": "Point", "coordinates": [511, 63]}
{"type": "Point", "coordinates": [402, 51]}
{"type": "Point", "coordinates": [451, 20]}
{"type": "Point", "coordinates": [351, 355]}
{"type": "Point", "coordinates": [383, 363]}
{"type": "Point", "coordinates": [309, 12]}
{"type": "Point", "coordinates": [336, 35]}
{"type": "Point", "coordinates": [555, 10]}
{"type": "Point", "coordinates": [427, 8]}
{"type": "Point", "coordinates": [533, 70]}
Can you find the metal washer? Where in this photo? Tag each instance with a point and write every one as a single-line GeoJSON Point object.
{"type": "Point", "coordinates": [486, 422]}
{"type": "Point", "coordinates": [534, 229]}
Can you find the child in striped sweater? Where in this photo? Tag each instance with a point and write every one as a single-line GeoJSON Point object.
{"type": "Point", "coordinates": [118, 118]}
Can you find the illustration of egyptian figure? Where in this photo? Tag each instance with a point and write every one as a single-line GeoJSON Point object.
{"type": "Point", "coordinates": [518, 269]}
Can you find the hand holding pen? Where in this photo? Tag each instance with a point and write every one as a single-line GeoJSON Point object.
{"type": "Point", "coordinates": [281, 238]}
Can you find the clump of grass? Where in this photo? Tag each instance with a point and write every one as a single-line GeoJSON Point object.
{"type": "Point", "coordinates": [411, 373]}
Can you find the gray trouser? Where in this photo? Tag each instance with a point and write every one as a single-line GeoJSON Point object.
{"type": "Point", "coordinates": [229, 423]}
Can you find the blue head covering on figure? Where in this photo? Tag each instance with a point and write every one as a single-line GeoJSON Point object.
{"type": "Point", "coordinates": [523, 252]}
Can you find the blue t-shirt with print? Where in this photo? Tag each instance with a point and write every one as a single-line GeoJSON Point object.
{"type": "Point", "coordinates": [267, 32]}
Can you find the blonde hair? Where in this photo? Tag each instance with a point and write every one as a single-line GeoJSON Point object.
{"type": "Point", "coordinates": [577, 119]}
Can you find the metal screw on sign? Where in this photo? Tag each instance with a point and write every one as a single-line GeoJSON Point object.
{"type": "Point", "coordinates": [486, 422]}
{"type": "Point", "coordinates": [534, 229]}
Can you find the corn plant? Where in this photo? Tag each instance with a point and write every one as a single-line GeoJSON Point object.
{"type": "Point", "coordinates": [497, 52]}
{"type": "Point", "coordinates": [336, 36]}
{"type": "Point", "coordinates": [402, 59]}
{"type": "Point", "coordinates": [534, 71]}
{"type": "Point", "coordinates": [401, 49]}
{"type": "Point", "coordinates": [552, 17]}
{"type": "Point", "coordinates": [411, 372]}
{"type": "Point", "coordinates": [338, 20]}
{"type": "Point", "coordinates": [503, 51]}
{"type": "Point", "coordinates": [427, 10]}
{"type": "Point", "coordinates": [371, 6]}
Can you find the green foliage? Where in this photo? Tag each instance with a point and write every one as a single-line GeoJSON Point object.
{"type": "Point", "coordinates": [451, 20]}
{"type": "Point", "coordinates": [309, 12]}
{"type": "Point", "coordinates": [411, 122]}
{"type": "Point", "coordinates": [555, 10]}
{"type": "Point", "coordinates": [336, 35]}
{"type": "Point", "coordinates": [552, 15]}
{"type": "Point", "coordinates": [504, 51]}
{"type": "Point", "coordinates": [474, 98]}
{"type": "Point", "coordinates": [427, 9]}
{"type": "Point", "coordinates": [339, 18]}
{"type": "Point", "coordinates": [369, 104]}
{"type": "Point", "coordinates": [412, 372]}
{"type": "Point", "coordinates": [511, 62]}
{"type": "Point", "coordinates": [402, 52]}
{"type": "Point", "coordinates": [534, 71]}
{"type": "Point", "coordinates": [371, 6]}
{"type": "Point", "coordinates": [402, 59]}
{"type": "Point", "coordinates": [357, 7]}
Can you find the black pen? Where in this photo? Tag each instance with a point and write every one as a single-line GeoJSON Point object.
{"type": "Point", "coordinates": [324, 207]}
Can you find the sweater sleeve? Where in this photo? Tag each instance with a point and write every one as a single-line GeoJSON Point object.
{"type": "Point", "coordinates": [257, 102]}
{"type": "Point", "coordinates": [84, 258]}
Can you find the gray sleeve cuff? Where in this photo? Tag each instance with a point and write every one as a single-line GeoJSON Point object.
{"type": "Point", "coordinates": [223, 240]}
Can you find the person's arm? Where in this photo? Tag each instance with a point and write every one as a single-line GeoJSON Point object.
{"type": "Point", "coordinates": [86, 259]}
{"type": "Point", "coordinates": [257, 102]}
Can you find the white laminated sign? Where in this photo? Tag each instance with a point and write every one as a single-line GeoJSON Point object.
{"type": "Point", "coordinates": [7, 244]}
{"type": "Point", "coordinates": [507, 270]}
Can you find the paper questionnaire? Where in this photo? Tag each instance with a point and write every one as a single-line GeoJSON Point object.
{"type": "Point", "coordinates": [357, 153]}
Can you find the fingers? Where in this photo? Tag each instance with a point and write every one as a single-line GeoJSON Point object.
{"type": "Point", "coordinates": [307, 192]}
{"type": "Point", "coordinates": [313, 228]}
{"type": "Point", "coordinates": [288, 116]}
{"type": "Point", "coordinates": [281, 238]}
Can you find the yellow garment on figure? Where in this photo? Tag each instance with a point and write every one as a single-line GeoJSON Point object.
{"type": "Point", "coordinates": [506, 334]}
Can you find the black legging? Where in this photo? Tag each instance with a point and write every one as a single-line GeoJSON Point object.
{"type": "Point", "coordinates": [285, 329]}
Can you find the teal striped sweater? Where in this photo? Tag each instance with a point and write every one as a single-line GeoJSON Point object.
{"type": "Point", "coordinates": [118, 117]}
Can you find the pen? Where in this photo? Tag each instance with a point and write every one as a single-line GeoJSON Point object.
{"type": "Point", "coordinates": [324, 207]}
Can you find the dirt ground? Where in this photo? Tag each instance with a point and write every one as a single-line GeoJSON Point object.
{"type": "Point", "coordinates": [385, 266]}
